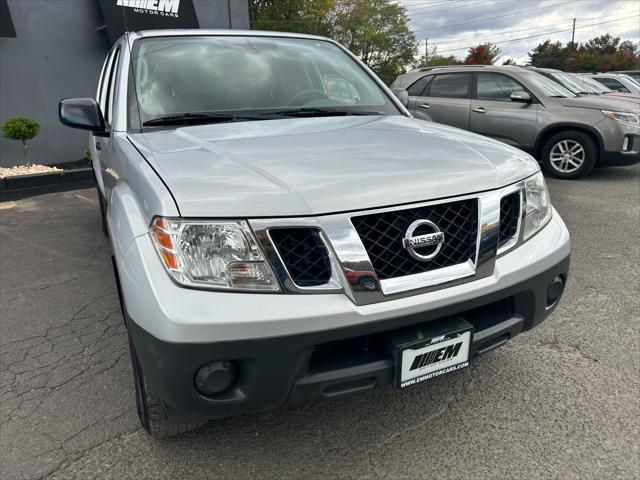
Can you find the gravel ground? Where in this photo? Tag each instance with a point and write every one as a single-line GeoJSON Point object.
{"type": "Point", "coordinates": [559, 402]}
{"type": "Point", "coordinates": [26, 170]}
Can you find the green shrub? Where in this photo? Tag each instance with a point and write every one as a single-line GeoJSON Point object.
{"type": "Point", "coordinates": [23, 129]}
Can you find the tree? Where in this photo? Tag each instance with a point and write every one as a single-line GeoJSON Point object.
{"type": "Point", "coordinates": [483, 54]}
{"type": "Point", "coordinates": [301, 16]}
{"type": "Point", "coordinates": [509, 61]}
{"type": "Point", "coordinates": [630, 48]}
{"type": "Point", "coordinates": [23, 129]}
{"type": "Point", "coordinates": [377, 31]}
{"type": "Point", "coordinates": [603, 45]}
{"type": "Point", "coordinates": [549, 55]}
{"type": "Point", "coordinates": [437, 60]}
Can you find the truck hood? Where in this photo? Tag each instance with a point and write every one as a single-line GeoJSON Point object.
{"type": "Point", "coordinates": [601, 102]}
{"type": "Point", "coordinates": [312, 166]}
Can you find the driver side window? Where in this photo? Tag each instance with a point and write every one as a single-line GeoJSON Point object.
{"type": "Point", "coordinates": [497, 87]}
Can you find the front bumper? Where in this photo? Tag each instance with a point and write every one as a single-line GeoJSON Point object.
{"type": "Point", "coordinates": [621, 159]}
{"type": "Point", "coordinates": [615, 134]}
{"type": "Point", "coordinates": [299, 348]}
{"type": "Point", "coordinates": [306, 367]}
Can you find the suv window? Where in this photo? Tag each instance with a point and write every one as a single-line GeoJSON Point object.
{"type": "Point", "coordinates": [416, 89]}
{"type": "Point", "coordinates": [451, 85]}
{"type": "Point", "coordinates": [613, 84]}
{"type": "Point", "coordinates": [497, 87]}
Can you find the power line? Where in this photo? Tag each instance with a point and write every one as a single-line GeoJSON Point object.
{"type": "Point", "coordinates": [438, 11]}
{"type": "Point", "coordinates": [445, 41]}
{"type": "Point", "coordinates": [541, 34]}
{"type": "Point", "coordinates": [490, 18]}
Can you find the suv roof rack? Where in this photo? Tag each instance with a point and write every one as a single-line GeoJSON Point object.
{"type": "Point", "coordinates": [426, 69]}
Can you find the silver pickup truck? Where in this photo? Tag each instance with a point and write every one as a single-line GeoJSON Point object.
{"type": "Point", "coordinates": [283, 230]}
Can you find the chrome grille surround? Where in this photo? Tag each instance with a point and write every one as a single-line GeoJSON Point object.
{"type": "Point", "coordinates": [349, 259]}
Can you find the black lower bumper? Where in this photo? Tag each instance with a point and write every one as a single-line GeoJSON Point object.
{"type": "Point", "coordinates": [307, 367]}
{"type": "Point", "coordinates": [620, 159]}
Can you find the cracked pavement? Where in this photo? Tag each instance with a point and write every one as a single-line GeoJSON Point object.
{"type": "Point", "coordinates": [558, 402]}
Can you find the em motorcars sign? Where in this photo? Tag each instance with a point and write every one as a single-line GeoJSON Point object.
{"type": "Point", "coordinates": [130, 15]}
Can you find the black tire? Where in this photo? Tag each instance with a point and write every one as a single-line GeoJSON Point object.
{"type": "Point", "coordinates": [103, 212]}
{"type": "Point", "coordinates": [152, 411]}
{"type": "Point", "coordinates": [590, 157]}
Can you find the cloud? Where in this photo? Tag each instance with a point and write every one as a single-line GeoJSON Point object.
{"type": "Point", "coordinates": [453, 25]}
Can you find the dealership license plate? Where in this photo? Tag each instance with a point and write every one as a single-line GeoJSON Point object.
{"type": "Point", "coordinates": [436, 357]}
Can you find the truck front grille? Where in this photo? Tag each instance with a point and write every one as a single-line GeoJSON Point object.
{"type": "Point", "coordinates": [304, 255]}
{"type": "Point", "coordinates": [382, 235]}
{"type": "Point", "coordinates": [509, 215]}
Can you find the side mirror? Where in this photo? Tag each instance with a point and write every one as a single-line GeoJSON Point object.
{"type": "Point", "coordinates": [402, 95]}
{"type": "Point", "coordinates": [82, 113]}
{"type": "Point", "coordinates": [520, 96]}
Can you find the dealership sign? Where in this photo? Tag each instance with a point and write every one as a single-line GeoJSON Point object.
{"type": "Point", "coordinates": [130, 15]}
{"type": "Point", "coordinates": [152, 7]}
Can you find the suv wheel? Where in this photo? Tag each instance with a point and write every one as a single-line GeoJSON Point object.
{"type": "Point", "coordinates": [569, 154]}
{"type": "Point", "coordinates": [151, 409]}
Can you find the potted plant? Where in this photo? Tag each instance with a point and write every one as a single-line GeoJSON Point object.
{"type": "Point", "coordinates": [23, 129]}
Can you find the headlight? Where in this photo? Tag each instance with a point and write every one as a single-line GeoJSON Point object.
{"type": "Point", "coordinates": [624, 117]}
{"type": "Point", "coordinates": [538, 206]}
{"type": "Point", "coordinates": [212, 254]}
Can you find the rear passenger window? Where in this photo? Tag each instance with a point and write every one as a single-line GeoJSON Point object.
{"type": "Point", "coordinates": [416, 89]}
{"type": "Point", "coordinates": [497, 87]}
{"type": "Point", "coordinates": [451, 85]}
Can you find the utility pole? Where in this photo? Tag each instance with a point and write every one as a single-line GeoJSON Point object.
{"type": "Point", "coordinates": [573, 34]}
{"type": "Point", "coordinates": [426, 49]}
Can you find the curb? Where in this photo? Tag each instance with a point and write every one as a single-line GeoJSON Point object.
{"type": "Point", "coordinates": [23, 186]}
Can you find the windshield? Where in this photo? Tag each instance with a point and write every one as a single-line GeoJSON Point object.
{"type": "Point", "coordinates": [546, 86]}
{"type": "Point", "coordinates": [632, 80]}
{"type": "Point", "coordinates": [250, 76]}
{"type": "Point", "coordinates": [569, 82]}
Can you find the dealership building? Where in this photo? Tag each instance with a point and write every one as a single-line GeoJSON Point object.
{"type": "Point", "coordinates": [51, 49]}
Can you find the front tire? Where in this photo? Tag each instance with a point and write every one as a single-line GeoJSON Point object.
{"type": "Point", "coordinates": [152, 411]}
{"type": "Point", "coordinates": [569, 154]}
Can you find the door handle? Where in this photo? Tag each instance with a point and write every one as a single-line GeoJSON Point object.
{"type": "Point", "coordinates": [98, 146]}
{"type": "Point", "coordinates": [426, 106]}
{"type": "Point", "coordinates": [480, 110]}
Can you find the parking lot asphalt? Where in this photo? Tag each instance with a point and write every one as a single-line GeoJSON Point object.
{"type": "Point", "coordinates": [561, 401]}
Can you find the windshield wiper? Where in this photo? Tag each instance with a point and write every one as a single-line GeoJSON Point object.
{"type": "Point", "coordinates": [191, 118]}
{"type": "Point", "coordinates": [316, 112]}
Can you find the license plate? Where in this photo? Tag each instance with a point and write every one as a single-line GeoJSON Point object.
{"type": "Point", "coordinates": [436, 357]}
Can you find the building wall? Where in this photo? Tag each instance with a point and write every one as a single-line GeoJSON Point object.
{"type": "Point", "coordinates": [58, 52]}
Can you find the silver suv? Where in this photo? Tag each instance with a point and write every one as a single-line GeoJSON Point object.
{"type": "Point", "coordinates": [619, 82]}
{"type": "Point", "coordinates": [283, 231]}
{"type": "Point", "coordinates": [569, 134]}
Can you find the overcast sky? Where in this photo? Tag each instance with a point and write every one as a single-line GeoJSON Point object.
{"type": "Point", "coordinates": [454, 25]}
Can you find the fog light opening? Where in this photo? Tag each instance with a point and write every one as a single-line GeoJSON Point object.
{"type": "Point", "coordinates": [625, 144]}
{"type": "Point", "coordinates": [554, 291]}
{"type": "Point", "coordinates": [215, 377]}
